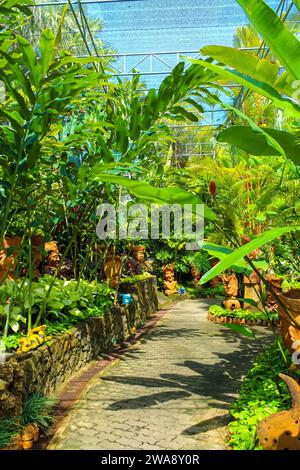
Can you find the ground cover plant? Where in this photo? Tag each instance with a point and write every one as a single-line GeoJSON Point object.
{"type": "Point", "coordinates": [262, 393]}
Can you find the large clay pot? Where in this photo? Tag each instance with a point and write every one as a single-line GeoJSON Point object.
{"type": "Point", "coordinates": [290, 333]}
{"type": "Point", "coordinates": [112, 267]}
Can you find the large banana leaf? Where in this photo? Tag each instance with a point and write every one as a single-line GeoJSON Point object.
{"type": "Point", "coordinates": [281, 41]}
{"type": "Point", "coordinates": [173, 195]}
{"type": "Point", "coordinates": [244, 250]}
{"type": "Point", "coordinates": [259, 87]}
{"type": "Point", "coordinates": [297, 3]}
{"type": "Point", "coordinates": [255, 143]}
{"type": "Point", "coordinates": [244, 62]}
{"type": "Point", "coordinates": [221, 252]}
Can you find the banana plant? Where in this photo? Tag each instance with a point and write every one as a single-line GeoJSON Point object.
{"type": "Point", "coordinates": [240, 253]}
{"type": "Point", "coordinates": [261, 76]}
{"type": "Point", "coordinates": [39, 87]}
{"type": "Point", "coordinates": [137, 121]}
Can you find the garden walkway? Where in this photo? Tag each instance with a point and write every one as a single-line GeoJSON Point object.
{"type": "Point", "coordinates": [171, 390]}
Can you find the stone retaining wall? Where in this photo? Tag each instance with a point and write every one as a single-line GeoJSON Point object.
{"type": "Point", "coordinates": [46, 368]}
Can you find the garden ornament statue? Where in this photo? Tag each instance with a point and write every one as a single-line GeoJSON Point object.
{"type": "Point", "coordinates": [231, 288]}
{"type": "Point", "coordinates": [196, 276]}
{"type": "Point", "coordinates": [35, 338]}
{"type": "Point", "coordinates": [281, 431]}
{"type": "Point", "coordinates": [53, 257]}
{"type": "Point", "coordinates": [276, 284]}
{"type": "Point", "coordinates": [170, 284]}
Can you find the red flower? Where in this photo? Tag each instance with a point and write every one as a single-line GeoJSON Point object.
{"type": "Point", "coordinates": [212, 188]}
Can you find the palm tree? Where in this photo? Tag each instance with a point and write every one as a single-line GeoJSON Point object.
{"type": "Point", "coordinates": [49, 17]}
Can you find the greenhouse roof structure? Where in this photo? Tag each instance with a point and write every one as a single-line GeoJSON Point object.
{"type": "Point", "coordinates": [151, 36]}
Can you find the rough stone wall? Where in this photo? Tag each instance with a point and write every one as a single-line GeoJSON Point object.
{"type": "Point", "coordinates": [43, 370]}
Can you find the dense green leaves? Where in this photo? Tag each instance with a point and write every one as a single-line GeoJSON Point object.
{"type": "Point", "coordinates": [259, 87]}
{"type": "Point", "coordinates": [282, 42]}
{"type": "Point", "coordinates": [244, 250]}
{"type": "Point", "coordinates": [170, 196]}
{"type": "Point", "coordinates": [221, 252]}
{"type": "Point", "coordinates": [245, 62]}
{"type": "Point", "coordinates": [255, 143]}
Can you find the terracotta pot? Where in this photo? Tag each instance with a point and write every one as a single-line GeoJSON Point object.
{"type": "Point", "coordinates": [27, 438]}
{"type": "Point", "coordinates": [231, 304]}
{"type": "Point", "coordinates": [34, 429]}
{"type": "Point", "coordinates": [290, 333]}
{"type": "Point", "coordinates": [281, 431]}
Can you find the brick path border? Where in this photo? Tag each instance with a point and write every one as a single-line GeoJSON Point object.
{"type": "Point", "coordinates": [75, 387]}
{"type": "Point", "coordinates": [241, 321]}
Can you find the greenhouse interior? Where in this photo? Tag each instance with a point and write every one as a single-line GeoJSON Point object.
{"type": "Point", "coordinates": [150, 228]}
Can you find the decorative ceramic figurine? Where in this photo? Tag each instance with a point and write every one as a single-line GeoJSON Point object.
{"type": "Point", "coordinates": [196, 276]}
{"type": "Point", "coordinates": [276, 284]}
{"type": "Point", "coordinates": [53, 257]}
{"type": "Point", "coordinates": [170, 284]}
{"type": "Point", "coordinates": [35, 338]}
{"type": "Point", "coordinates": [126, 299]}
{"type": "Point", "coordinates": [231, 288]}
{"type": "Point", "coordinates": [281, 431]}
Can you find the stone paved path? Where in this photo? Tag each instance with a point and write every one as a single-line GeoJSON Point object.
{"type": "Point", "coordinates": [170, 391]}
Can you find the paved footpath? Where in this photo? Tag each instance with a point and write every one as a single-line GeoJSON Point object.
{"type": "Point", "coordinates": [171, 390]}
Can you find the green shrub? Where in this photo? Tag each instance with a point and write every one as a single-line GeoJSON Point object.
{"type": "Point", "coordinates": [259, 398]}
{"type": "Point", "coordinates": [290, 284]}
{"type": "Point", "coordinates": [204, 292]}
{"type": "Point", "coordinates": [67, 299]}
{"type": "Point", "coordinates": [219, 311]}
